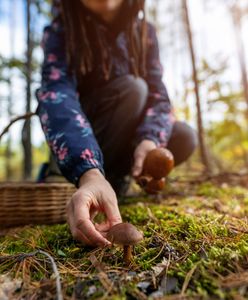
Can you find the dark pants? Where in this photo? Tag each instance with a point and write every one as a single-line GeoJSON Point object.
{"type": "Point", "coordinates": [114, 112]}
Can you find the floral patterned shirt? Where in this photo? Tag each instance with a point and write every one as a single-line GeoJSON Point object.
{"type": "Point", "coordinates": [66, 127]}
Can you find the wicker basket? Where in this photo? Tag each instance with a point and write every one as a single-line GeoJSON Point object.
{"type": "Point", "coordinates": [33, 203]}
{"type": "Point", "coordinates": [23, 203]}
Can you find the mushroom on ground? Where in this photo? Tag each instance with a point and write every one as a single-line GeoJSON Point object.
{"type": "Point", "coordinates": [158, 163]}
{"type": "Point", "coordinates": [127, 235]}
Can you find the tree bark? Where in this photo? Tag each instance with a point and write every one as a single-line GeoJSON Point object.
{"type": "Point", "coordinates": [8, 169]}
{"type": "Point", "coordinates": [26, 131]}
{"type": "Point", "coordinates": [237, 15]}
{"type": "Point", "coordinates": [8, 153]}
{"type": "Point", "coordinates": [203, 152]}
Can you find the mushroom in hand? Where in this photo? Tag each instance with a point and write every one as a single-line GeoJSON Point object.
{"type": "Point", "coordinates": [157, 164]}
{"type": "Point", "coordinates": [127, 235]}
{"type": "Point", "coordinates": [154, 186]}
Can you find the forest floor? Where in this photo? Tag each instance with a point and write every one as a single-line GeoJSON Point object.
{"type": "Point", "coordinates": [195, 247]}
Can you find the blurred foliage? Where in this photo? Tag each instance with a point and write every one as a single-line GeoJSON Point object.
{"type": "Point", "coordinates": [40, 154]}
{"type": "Point", "coordinates": [226, 137]}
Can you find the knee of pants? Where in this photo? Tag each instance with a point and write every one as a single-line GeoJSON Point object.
{"type": "Point", "coordinates": [136, 93]}
{"type": "Point", "coordinates": [183, 142]}
{"type": "Point", "coordinates": [188, 136]}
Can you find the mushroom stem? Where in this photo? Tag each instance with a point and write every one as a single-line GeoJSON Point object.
{"type": "Point", "coordinates": [127, 255]}
{"type": "Point", "coordinates": [143, 180]}
{"type": "Point", "coordinates": [127, 235]}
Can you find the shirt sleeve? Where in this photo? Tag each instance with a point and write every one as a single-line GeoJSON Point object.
{"type": "Point", "coordinates": [66, 127]}
{"type": "Point", "coordinates": [158, 117]}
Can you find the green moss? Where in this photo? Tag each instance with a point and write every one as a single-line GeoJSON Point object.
{"type": "Point", "coordinates": [188, 231]}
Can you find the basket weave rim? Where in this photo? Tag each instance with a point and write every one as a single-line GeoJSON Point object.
{"type": "Point", "coordinates": [23, 202]}
{"type": "Point", "coordinates": [31, 184]}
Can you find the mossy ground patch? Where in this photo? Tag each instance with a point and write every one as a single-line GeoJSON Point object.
{"type": "Point", "coordinates": [195, 246]}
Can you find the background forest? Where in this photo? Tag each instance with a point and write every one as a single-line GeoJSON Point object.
{"type": "Point", "coordinates": [204, 55]}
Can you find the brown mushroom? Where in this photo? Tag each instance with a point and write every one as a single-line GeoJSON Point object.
{"type": "Point", "coordinates": [154, 186]}
{"type": "Point", "coordinates": [127, 235]}
{"type": "Point", "coordinates": [143, 180]}
{"type": "Point", "coordinates": [158, 163]}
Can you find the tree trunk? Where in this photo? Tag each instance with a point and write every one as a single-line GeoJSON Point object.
{"type": "Point", "coordinates": [8, 153]}
{"type": "Point", "coordinates": [8, 169]}
{"type": "Point", "coordinates": [26, 131]}
{"type": "Point", "coordinates": [203, 152]}
{"type": "Point", "coordinates": [237, 15]}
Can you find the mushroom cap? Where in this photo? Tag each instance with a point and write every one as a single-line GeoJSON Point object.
{"type": "Point", "coordinates": [158, 163]}
{"type": "Point", "coordinates": [154, 186]}
{"type": "Point", "coordinates": [124, 234]}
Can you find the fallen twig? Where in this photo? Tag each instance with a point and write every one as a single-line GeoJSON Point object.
{"type": "Point", "coordinates": [20, 257]}
{"type": "Point", "coordinates": [106, 282]}
{"type": "Point", "coordinates": [56, 273]}
{"type": "Point", "coordinates": [187, 279]}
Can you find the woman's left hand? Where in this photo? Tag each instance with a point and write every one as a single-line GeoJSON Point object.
{"type": "Point", "coordinates": [140, 154]}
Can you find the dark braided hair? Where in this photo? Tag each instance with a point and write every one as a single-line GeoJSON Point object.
{"type": "Point", "coordinates": [79, 48]}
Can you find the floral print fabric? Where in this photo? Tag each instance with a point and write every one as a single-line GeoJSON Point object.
{"type": "Point", "coordinates": [65, 125]}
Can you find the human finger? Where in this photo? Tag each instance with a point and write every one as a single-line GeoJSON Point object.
{"type": "Point", "coordinates": [89, 231]}
{"type": "Point", "coordinates": [84, 224]}
{"type": "Point", "coordinates": [77, 234]}
{"type": "Point", "coordinates": [104, 226]}
{"type": "Point", "coordinates": [138, 165]}
{"type": "Point", "coordinates": [112, 212]}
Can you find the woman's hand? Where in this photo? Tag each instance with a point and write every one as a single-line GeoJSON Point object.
{"type": "Point", "coordinates": [94, 195]}
{"type": "Point", "coordinates": [139, 156]}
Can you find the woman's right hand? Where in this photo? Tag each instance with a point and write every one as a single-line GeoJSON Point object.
{"type": "Point", "coordinates": [94, 195]}
{"type": "Point", "coordinates": [140, 154]}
